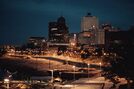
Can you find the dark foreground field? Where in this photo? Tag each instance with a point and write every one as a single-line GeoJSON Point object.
{"type": "Point", "coordinates": [26, 69]}
{"type": "Point", "coordinates": [17, 65]}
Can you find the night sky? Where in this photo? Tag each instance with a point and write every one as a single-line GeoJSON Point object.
{"type": "Point", "coordinates": [20, 19]}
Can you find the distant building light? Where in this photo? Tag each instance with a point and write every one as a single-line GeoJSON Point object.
{"type": "Point", "coordinates": [53, 29]}
{"type": "Point", "coordinates": [73, 44]}
{"type": "Point", "coordinates": [104, 54]}
{"type": "Point", "coordinates": [58, 34]}
{"type": "Point", "coordinates": [43, 40]}
{"type": "Point", "coordinates": [35, 43]}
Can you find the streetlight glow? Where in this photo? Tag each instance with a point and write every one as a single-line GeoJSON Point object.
{"type": "Point", "coordinates": [74, 72]}
{"type": "Point", "coordinates": [100, 63]}
{"type": "Point", "coordinates": [73, 67]}
{"type": "Point", "coordinates": [6, 80]}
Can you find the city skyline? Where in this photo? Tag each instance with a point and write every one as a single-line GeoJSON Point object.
{"type": "Point", "coordinates": [24, 18]}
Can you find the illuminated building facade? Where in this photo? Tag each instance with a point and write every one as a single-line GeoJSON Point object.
{"type": "Point", "coordinates": [73, 39]}
{"type": "Point", "coordinates": [84, 38]}
{"type": "Point", "coordinates": [58, 31]}
{"type": "Point", "coordinates": [36, 42]}
{"type": "Point", "coordinates": [89, 29]}
{"type": "Point", "coordinates": [89, 22]}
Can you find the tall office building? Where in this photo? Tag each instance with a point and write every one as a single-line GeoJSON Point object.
{"type": "Point", "coordinates": [58, 31]}
{"type": "Point", "coordinates": [53, 31]}
{"type": "Point", "coordinates": [89, 26]}
{"type": "Point", "coordinates": [101, 37]}
{"type": "Point", "coordinates": [89, 22]}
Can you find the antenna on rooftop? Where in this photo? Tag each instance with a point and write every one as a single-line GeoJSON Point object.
{"type": "Point", "coordinates": [88, 14]}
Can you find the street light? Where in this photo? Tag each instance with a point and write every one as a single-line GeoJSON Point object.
{"type": "Point", "coordinates": [52, 75]}
{"type": "Point", "coordinates": [88, 69]}
{"type": "Point", "coordinates": [36, 63]}
{"type": "Point", "coordinates": [60, 74]}
{"type": "Point", "coordinates": [7, 81]}
{"type": "Point", "coordinates": [49, 64]}
{"type": "Point", "coordinates": [67, 62]}
{"type": "Point", "coordinates": [100, 67]}
{"type": "Point", "coordinates": [74, 72]}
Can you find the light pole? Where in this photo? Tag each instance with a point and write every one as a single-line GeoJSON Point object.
{"type": "Point", "coordinates": [36, 63]}
{"type": "Point", "coordinates": [74, 72]}
{"type": "Point", "coordinates": [88, 69]}
{"type": "Point", "coordinates": [100, 68]}
{"type": "Point", "coordinates": [60, 74]}
{"type": "Point", "coordinates": [52, 74]}
{"type": "Point", "coordinates": [100, 65]}
{"type": "Point", "coordinates": [67, 62]}
{"type": "Point", "coordinates": [49, 64]}
{"type": "Point", "coordinates": [7, 81]}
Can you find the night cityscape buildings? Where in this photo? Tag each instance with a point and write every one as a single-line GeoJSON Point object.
{"type": "Point", "coordinates": [36, 41]}
{"type": "Point", "coordinates": [101, 51]}
{"type": "Point", "coordinates": [58, 31]}
{"type": "Point", "coordinates": [89, 22]}
{"type": "Point", "coordinates": [90, 33]}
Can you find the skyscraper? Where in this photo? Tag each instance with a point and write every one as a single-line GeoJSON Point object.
{"type": "Point", "coordinates": [89, 26]}
{"type": "Point", "coordinates": [89, 22]}
{"type": "Point", "coordinates": [58, 31]}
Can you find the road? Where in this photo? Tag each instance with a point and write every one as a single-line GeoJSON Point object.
{"type": "Point", "coordinates": [41, 65]}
